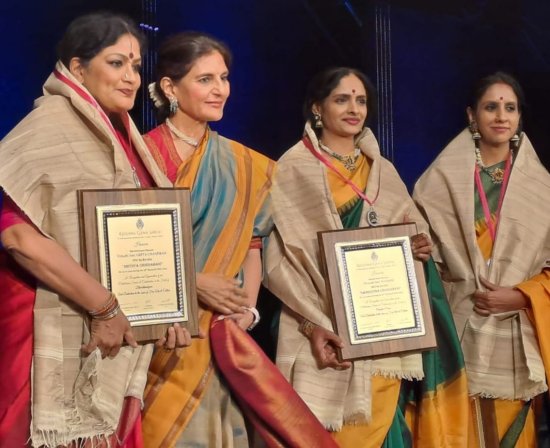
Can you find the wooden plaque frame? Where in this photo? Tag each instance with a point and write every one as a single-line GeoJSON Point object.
{"type": "Point", "coordinates": [340, 318]}
{"type": "Point", "coordinates": [88, 203]}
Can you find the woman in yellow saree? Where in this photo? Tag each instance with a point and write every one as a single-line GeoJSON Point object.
{"type": "Point", "coordinates": [484, 198]}
{"type": "Point", "coordinates": [197, 397]}
{"type": "Point", "coordinates": [335, 178]}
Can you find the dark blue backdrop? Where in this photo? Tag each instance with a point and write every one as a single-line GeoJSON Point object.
{"type": "Point", "coordinates": [437, 50]}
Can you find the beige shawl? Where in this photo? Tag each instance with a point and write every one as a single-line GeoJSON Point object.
{"type": "Point", "coordinates": [61, 146]}
{"type": "Point", "coordinates": [302, 206]}
{"type": "Point", "coordinates": [501, 351]}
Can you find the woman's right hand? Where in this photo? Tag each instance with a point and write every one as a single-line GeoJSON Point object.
{"type": "Point", "coordinates": [221, 294]}
{"type": "Point", "coordinates": [323, 346]}
{"type": "Point", "coordinates": [108, 335]}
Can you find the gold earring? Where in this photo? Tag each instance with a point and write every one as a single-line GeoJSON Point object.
{"type": "Point", "coordinates": [318, 122]}
{"type": "Point", "coordinates": [474, 130]}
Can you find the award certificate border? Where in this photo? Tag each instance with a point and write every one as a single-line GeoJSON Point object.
{"type": "Point", "coordinates": [132, 198]}
{"type": "Point", "coordinates": [104, 212]}
{"type": "Point", "coordinates": [404, 243]}
{"type": "Point", "coordinates": [336, 292]}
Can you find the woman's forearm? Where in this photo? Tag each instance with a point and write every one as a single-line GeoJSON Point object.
{"type": "Point", "coordinates": [52, 265]}
{"type": "Point", "coordinates": [252, 269]}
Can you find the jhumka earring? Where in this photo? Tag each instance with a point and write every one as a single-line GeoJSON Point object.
{"type": "Point", "coordinates": [318, 122]}
{"type": "Point", "coordinates": [474, 130]}
{"type": "Point", "coordinates": [173, 107]}
{"type": "Point", "coordinates": [514, 141]}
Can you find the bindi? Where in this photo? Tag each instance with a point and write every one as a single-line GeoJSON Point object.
{"type": "Point", "coordinates": [352, 90]}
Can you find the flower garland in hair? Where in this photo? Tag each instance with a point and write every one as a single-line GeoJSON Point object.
{"type": "Point", "coordinates": [158, 101]}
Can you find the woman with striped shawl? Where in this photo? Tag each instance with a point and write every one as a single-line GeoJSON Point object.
{"type": "Point", "coordinates": [197, 397]}
{"type": "Point", "coordinates": [82, 385]}
{"type": "Point", "coordinates": [335, 178]}
{"type": "Point", "coordinates": [484, 197]}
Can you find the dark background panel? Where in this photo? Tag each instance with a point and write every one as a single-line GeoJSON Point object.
{"type": "Point", "coordinates": [437, 49]}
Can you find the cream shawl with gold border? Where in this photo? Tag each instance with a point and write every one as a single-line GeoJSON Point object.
{"type": "Point", "coordinates": [61, 146]}
{"type": "Point", "coordinates": [302, 206]}
{"type": "Point", "coordinates": [501, 351]}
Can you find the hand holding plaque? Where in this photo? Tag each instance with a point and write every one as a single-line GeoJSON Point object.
{"type": "Point", "coordinates": [378, 291]}
{"type": "Point", "coordinates": [137, 243]}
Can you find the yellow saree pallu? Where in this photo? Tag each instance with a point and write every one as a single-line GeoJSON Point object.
{"type": "Point", "coordinates": [178, 380]}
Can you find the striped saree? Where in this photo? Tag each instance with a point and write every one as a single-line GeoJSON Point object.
{"type": "Point", "coordinates": [385, 407]}
{"type": "Point", "coordinates": [515, 420]}
{"type": "Point", "coordinates": [187, 389]}
{"type": "Point", "coordinates": [399, 425]}
{"type": "Point", "coordinates": [507, 355]}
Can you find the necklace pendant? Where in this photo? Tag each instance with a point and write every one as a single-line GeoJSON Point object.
{"type": "Point", "coordinates": [497, 175]}
{"type": "Point", "coordinates": [372, 217]}
{"type": "Point", "coordinates": [349, 164]}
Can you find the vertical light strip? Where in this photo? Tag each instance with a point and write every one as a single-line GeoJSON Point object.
{"type": "Point", "coordinates": [150, 29]}
{"type": "Point", "coordinates": [384, 79]}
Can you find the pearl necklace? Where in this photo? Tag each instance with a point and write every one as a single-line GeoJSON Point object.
{"type": "Point", "coordinates": [180, 135]}
{"type": "Point", "coordinates": [349, 160]}
{"type": "Point", "coordinates": [496, 174]}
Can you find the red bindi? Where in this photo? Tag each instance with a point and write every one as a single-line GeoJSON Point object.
{"type": "Point", "coordinates": [131, 55]}
{"type": "Point", "coordinates": [352, 90]}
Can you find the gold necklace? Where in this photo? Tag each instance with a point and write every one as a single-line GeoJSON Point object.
{"type": "Point", "coordinates": [496, 174]}
{"type": "Point", "coordinates": [349, 160]}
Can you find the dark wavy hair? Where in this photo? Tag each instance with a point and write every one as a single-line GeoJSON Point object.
{"type": "Point", "coordinates": [499, 77]}
{"type": "Point", "coordinates": [326, 81]}
{"type": "Point", "coordinates": [176, 56]}
{"type": "Point", "coordinates": [88, 35]}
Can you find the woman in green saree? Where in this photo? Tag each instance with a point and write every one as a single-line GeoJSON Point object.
{"type": "Point", "coordinates": [334, 178]}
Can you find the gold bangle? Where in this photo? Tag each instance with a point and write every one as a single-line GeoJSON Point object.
{"type": "Point", "coordinates": [109, 310]}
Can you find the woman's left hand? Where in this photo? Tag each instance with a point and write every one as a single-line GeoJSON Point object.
{"type": "Point", "coordinates": [421, 246]}
{"type": "Point", "coordinates": [498, 299]}
{"type": "Point", "coordinates": [243, 320]}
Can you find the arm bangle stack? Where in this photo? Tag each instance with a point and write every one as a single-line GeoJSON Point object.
{"type": "Point", "coordinates": [109, 309]}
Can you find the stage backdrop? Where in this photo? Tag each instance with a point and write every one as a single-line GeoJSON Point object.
{"type": "Point", "coordinates": [423, 56]}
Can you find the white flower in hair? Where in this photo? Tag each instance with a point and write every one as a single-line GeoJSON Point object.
{"type": "Point", "coordinates": [155, 97]}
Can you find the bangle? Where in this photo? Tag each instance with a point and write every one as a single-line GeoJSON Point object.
{"type": "Point", "coordinates": [256, 314]}
{"type": "Point", "coordinates": [109, 309]}
{"type": "Point", "coordinates": [306, 328]}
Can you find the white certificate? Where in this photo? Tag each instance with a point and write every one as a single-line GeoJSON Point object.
{"type": "Point", "coordinates": [141, 261]}
{"type": "Point", "coordinates": [381, 297]}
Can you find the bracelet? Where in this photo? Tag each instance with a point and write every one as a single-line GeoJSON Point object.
{"type": "Point", "coordinates": [306, 328]}
{"type": "Point", "coordinates": [109, 309]}
{"type": "Point", "coordinates": [256, 314]}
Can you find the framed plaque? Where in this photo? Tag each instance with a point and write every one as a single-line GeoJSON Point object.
{"type": "Point", "coordinates": [138, 244]}
{"type": "Point", "coordinates": [378, 291]}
